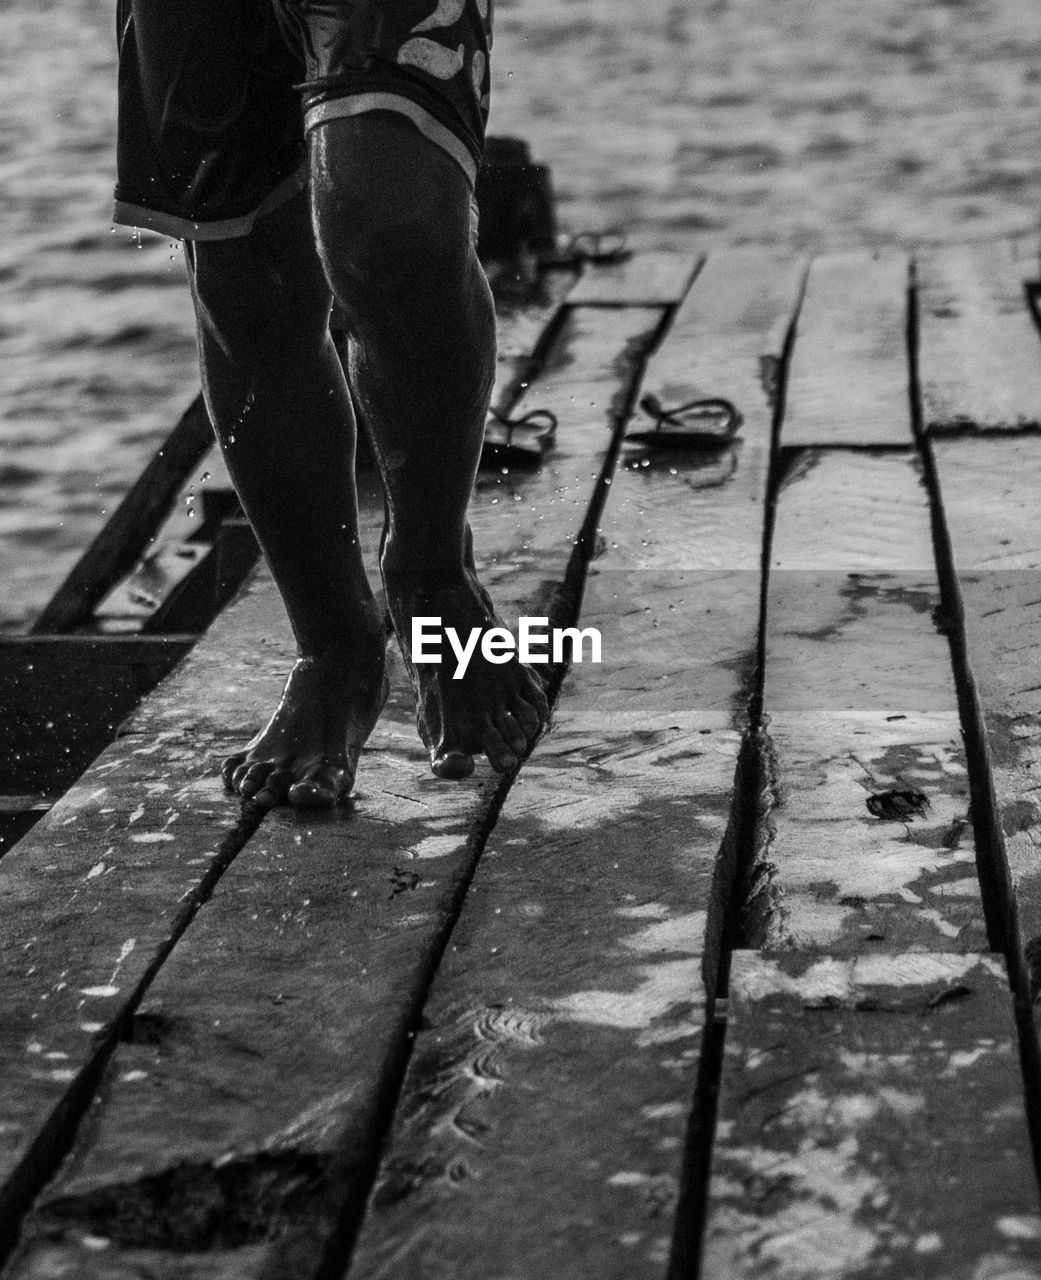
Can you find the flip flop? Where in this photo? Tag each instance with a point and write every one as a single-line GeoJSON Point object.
{"type": "Point", "coordinates": [517, 442]}
{"type": "Point", "coordinates": [699, 425]}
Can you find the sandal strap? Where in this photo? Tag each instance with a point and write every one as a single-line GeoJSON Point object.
{"type": "Point", "coordinates": [533, 416]}
{"type": "Point", "coordinates": [705, 407]}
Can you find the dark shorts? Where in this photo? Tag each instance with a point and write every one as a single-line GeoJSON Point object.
{"type": "Point", "coordinates": [216, 96]}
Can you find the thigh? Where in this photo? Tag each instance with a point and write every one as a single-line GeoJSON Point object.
{"type": "Point", "coordinates": [426, 60]}
{"type": "Point", "coordinates": [209, 120]}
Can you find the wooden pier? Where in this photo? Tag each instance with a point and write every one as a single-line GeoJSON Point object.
{"type": "Point", "coordinates": [735, 979]}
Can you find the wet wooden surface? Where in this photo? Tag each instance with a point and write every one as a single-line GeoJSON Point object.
{"type": "Point", "coordinates": [990, 491]}
{"type": "Point", "coordinates": [848, 382]}
{"type": "Point", "coordinates": [871, 1122]}
{"type": "Point", "coordinates": [871, 842]}
{"type": "Point", "coordinates": [977, 341]}
{"type": "Point", "coordinates": [472, 1030]}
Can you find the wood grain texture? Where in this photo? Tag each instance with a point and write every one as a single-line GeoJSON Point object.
{"type": "Point", "coordinates": [861, 703]}
{"type": "Point", "coordinates": [544, 1111]}
{"type": "Point", "coordinates": [645, 279]}
{"type": "Point", "coordinates": [871, 1122]}
{"type": "Point", "coordinates": [989, 489]}
{"type": "Point", "coordinates": [309, 962]}
{"type": "Point", "coordinates": [979, 352]}
{"type": "Point", "coordinates": [848, 381]}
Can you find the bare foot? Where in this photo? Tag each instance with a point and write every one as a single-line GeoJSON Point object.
{"type": "Point", "coordinates": [308, 752]}
{"type": "Point", "coordinates": [496, 710]}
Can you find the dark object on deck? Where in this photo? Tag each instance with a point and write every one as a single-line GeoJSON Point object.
{"type": "Point", "coordinates": [517, 442]}
{"type": "Point", "coordinates": [898, 806]}
{"type": "Point", "coordinates": [515, 199]}
{"type": "Point", "coordinates": [702, 424]}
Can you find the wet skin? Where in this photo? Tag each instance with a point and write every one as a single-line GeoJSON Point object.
{"type": "Point", "coordinates": [387, 232]}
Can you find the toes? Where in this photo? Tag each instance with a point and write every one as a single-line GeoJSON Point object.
{"type": "Point", "coordinates": [320, 788]}
{"type": "Point", "coordinates": [230, 767]}
{"type": "Point", "coordinates": [248, 778]}
{"type": "Point", "coordinates": [512, 734]}
{"type": "Point", "coordinates": [528, 719]}
{"type": "Point", "coordinates": [452, 763]}
{"type": "Point", "coordinates": [500, 756]}
{"type": "Point", "coordinates": [273, 790]}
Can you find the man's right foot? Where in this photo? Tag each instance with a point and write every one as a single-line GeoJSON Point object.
{"type": "Point", "coordinates": [495, 710]}
{"type": "Point", "coordinates": [307, 754]}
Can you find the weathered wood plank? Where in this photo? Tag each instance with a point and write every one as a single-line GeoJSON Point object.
{"type": "Point", "coordinates": [351, 969]}
{"type": "Point", "coordinates": [989, 490]}
{"type": "Point", "coordinates": [729, 332]}
{"type": "Point", "coordinates": [870, 840]}
{"type": "Point", "coordinates": [979, 353]}
{"type": "Point", "coordinates": [89, 900]}
{"type": "Point", "coordinates": [871, 1122]}
{"type": "Point", "coordinates": [645, 279]}
{"type": "Point", "coordinates": [848, 381]}
{"type": "Point", "coordinates": [551, 1084]}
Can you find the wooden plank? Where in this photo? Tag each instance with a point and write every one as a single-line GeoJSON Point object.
{"type": "Point", "coordinates": [979, 354]}
{"type": "Point", "coordinates": [848, 379]}
{"type": "Point", "coordinates": [645, 279]}
{"type": "Point", "coordinates": [871, 1122]}
{"type": "Point", "coordinates": [729, 332]}
{"type": "Point", "coordinates": [127, 533]}
{"type": "Point", "coordinates": [870, 842]}
{"type": "Point", "coordinates": [989, 490]}
{"type": "Point", "coordinates": [89, 901]}
{"type": "Point", "coordinates": [552, 1080]}
{"type": "Point", "coordinates": [350, 970]}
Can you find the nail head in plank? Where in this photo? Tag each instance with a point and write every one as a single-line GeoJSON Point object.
{"type": "Point", "coordinates": [871, 1121]}
{"type": "Point", "coordinates": [645, 279]}
{"type": "Point", "coordinates": [979, 353]}
{"type": "Point", "coordinates": [869, 842]}
{"type": "Point", "coordinates": [989, 490]}
{"type": "Point", "coordinates": [848, 380]}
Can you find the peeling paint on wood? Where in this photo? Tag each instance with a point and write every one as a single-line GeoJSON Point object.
{"type": "Point", "coordinates": [871, 1123]}
{"type": "Point", "coordinates": [848, 382]}
{"type": "Point", "coordinates": [979, 353]}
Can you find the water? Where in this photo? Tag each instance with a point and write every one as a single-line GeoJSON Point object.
{"type": "Point", "coordinates": [687, 122]}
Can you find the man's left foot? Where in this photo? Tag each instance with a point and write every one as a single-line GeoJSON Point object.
{"type": "Point", "coordinates": [307, 754]}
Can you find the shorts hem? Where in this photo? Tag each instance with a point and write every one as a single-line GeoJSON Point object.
{"type": "Point", "coordinates": [356, 104]}
{"type": "Point", "coordinates": [127, 214]}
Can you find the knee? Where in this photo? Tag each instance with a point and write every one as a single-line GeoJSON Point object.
{"type": "Point", "coordinates": [390, 221]}
{"type": "Point", "coordinates": [247, 310]}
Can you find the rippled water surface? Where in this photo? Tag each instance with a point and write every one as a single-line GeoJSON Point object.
{"type": "Point", "coordinates": [809, 123]}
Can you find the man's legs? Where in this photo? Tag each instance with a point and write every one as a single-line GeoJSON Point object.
{"type": "Point", "coordinates": [392, 219]}
{"type": "Point", "coordinates": [278, 399]}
